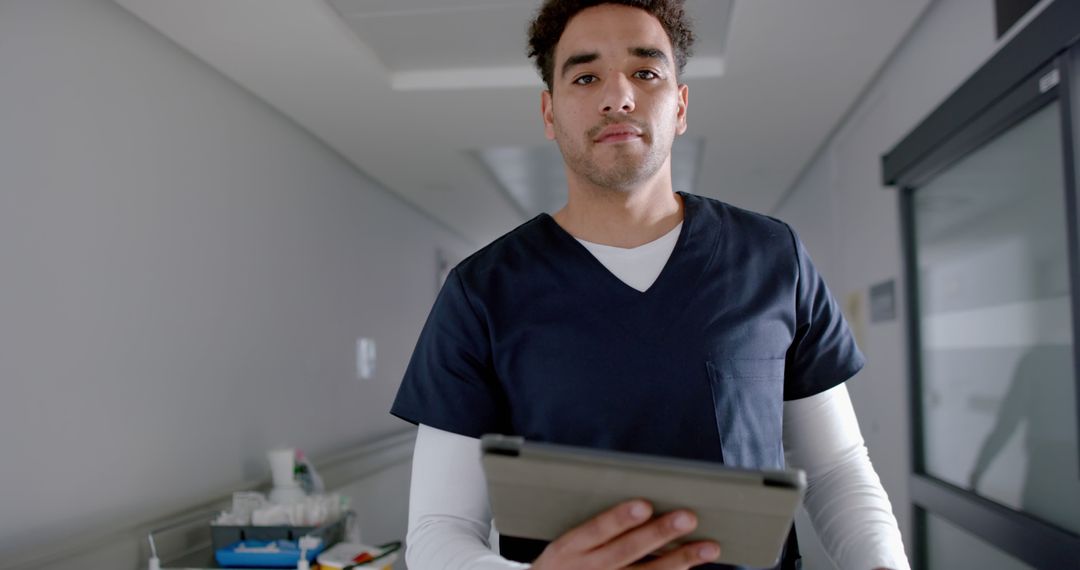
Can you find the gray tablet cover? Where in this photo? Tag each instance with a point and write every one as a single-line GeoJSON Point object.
{"type": "Point", "coordinates": [542, 490]}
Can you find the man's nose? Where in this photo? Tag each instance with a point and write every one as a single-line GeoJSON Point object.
{"type": "Point", "coordinates": [618, 95]}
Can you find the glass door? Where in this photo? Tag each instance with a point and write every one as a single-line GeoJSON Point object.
{"type": "Point", "coordinates": [998, 382]}
{"type": "Point", "coordinates": [991, 241]}
{"type": "Point", "coordinates": [992, 281]}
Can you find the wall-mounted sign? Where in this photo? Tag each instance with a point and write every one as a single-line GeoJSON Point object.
{"type": "Point", "coordinates": [883, 301]}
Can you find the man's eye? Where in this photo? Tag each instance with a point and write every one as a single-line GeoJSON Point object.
{"type": "Point", "coordinates": [585, 80]}
{"type": "Point", "coordinates": [646, 74]}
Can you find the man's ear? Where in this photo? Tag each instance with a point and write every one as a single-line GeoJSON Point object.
{"type": "Point", "coordinates": [549, 115]}
{"type": "Point", "coordinates": [684, 100]}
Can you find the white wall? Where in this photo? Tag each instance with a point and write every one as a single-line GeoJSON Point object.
{"type": "Point", "coordinates": [850, 222]}
{"type": "Point", "coordinates": [183, 276]}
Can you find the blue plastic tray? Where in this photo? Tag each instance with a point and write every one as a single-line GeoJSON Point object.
{"type": "Point", "coordinates": [286, 555]}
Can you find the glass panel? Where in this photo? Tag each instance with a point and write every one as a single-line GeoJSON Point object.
{"type": "Point", "coordinates": [999, 402]}
{"type": "Point", "coordinates": [948, 547]}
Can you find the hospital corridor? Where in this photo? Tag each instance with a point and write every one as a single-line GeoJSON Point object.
{"type": "Point", "coordinates": [449, 284]}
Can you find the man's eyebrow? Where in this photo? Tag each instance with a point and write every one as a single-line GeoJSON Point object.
{"type": "Point", "coordinates": [650, 53]}
{"type": "Point", "coordinates": [578, 59]}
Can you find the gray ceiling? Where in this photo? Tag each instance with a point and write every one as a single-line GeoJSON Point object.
{"type": "Point", "coordinates": [413, 92]}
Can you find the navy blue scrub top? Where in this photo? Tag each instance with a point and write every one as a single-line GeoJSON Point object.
{"type": "Point", "coordinates": [533, 336]}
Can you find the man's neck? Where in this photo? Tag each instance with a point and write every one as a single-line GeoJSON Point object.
{"type": "Point", "coordinates": [621, 218]}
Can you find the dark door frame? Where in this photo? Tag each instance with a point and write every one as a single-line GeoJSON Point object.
{"type": "Point", "coordinates": [1037, 67]}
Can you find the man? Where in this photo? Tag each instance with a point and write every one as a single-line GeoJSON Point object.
{"type": "Point", "coordinates": [634, 319]}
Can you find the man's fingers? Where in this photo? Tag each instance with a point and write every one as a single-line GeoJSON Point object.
{"type": "Point", "coordinates": [683, 557]}
{"type": "Point", "coordinates": [624, 534]}
{"type": "Point", "coordinates": [603, 528]}
{"type": "Point", "coordinates": [640, 541]}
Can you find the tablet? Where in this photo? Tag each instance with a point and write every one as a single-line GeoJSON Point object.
{"type": "Point", "coordinates": [540, 491]}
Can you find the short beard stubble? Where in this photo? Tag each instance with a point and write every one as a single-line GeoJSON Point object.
{"type": "Point", "coordinates": [628, 169]}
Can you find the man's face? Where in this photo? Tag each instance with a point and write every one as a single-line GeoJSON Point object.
{"type": "Point", "coordinates": [615, 106]}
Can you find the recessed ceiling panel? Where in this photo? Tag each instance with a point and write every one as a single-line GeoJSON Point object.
{"type": "Point", "coordinates": [470, 35]}
{"type": "Point", "coordinates": [712, 22]}
{"type": "Point", "coordinates": [423, 35]}
{"type": "Point", "coordinates": [390, 7]}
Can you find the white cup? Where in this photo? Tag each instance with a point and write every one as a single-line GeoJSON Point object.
{"type": "Point", "coordinates": [282, 465]}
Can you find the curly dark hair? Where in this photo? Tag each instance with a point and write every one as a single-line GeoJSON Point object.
{"type": "Point", "coordinates": [546, 29]}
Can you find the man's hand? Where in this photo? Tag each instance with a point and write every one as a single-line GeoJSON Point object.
{"type": "Point", "coordinates": [619, 537]}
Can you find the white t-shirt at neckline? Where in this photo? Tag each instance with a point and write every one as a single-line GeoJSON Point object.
{"type": "Point", "coordinates": [640, 266]}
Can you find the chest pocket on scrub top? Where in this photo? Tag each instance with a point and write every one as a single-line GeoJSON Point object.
{"type": "Point", "coordinates": [748, 398]}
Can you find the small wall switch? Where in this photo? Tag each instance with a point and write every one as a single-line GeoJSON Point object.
{"type": "Point", "coordinates": [365, 358]}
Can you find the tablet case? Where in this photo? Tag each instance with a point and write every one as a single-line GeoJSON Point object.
{"type": "Point", "coordinates": [540, 491]}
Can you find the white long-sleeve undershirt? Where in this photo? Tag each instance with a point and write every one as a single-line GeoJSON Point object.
{"type": "Point", "coordinates": [450, 516]}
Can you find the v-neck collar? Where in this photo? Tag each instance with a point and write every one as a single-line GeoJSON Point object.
{"type": "Point", "coordinates": [647, 312]}
{"type": "Point", "coordinates": [598, 272]}
{"type": "Point", "coordinates": [666, 240]}
{"type": "Point", "coordinates": [637, 266]}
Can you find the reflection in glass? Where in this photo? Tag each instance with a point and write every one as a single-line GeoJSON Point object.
{"type": "Point", "coordinates": [998, 385]}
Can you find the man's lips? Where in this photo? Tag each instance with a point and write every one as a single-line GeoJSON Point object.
{"type": "Point", "coordinates": [618, 133]}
